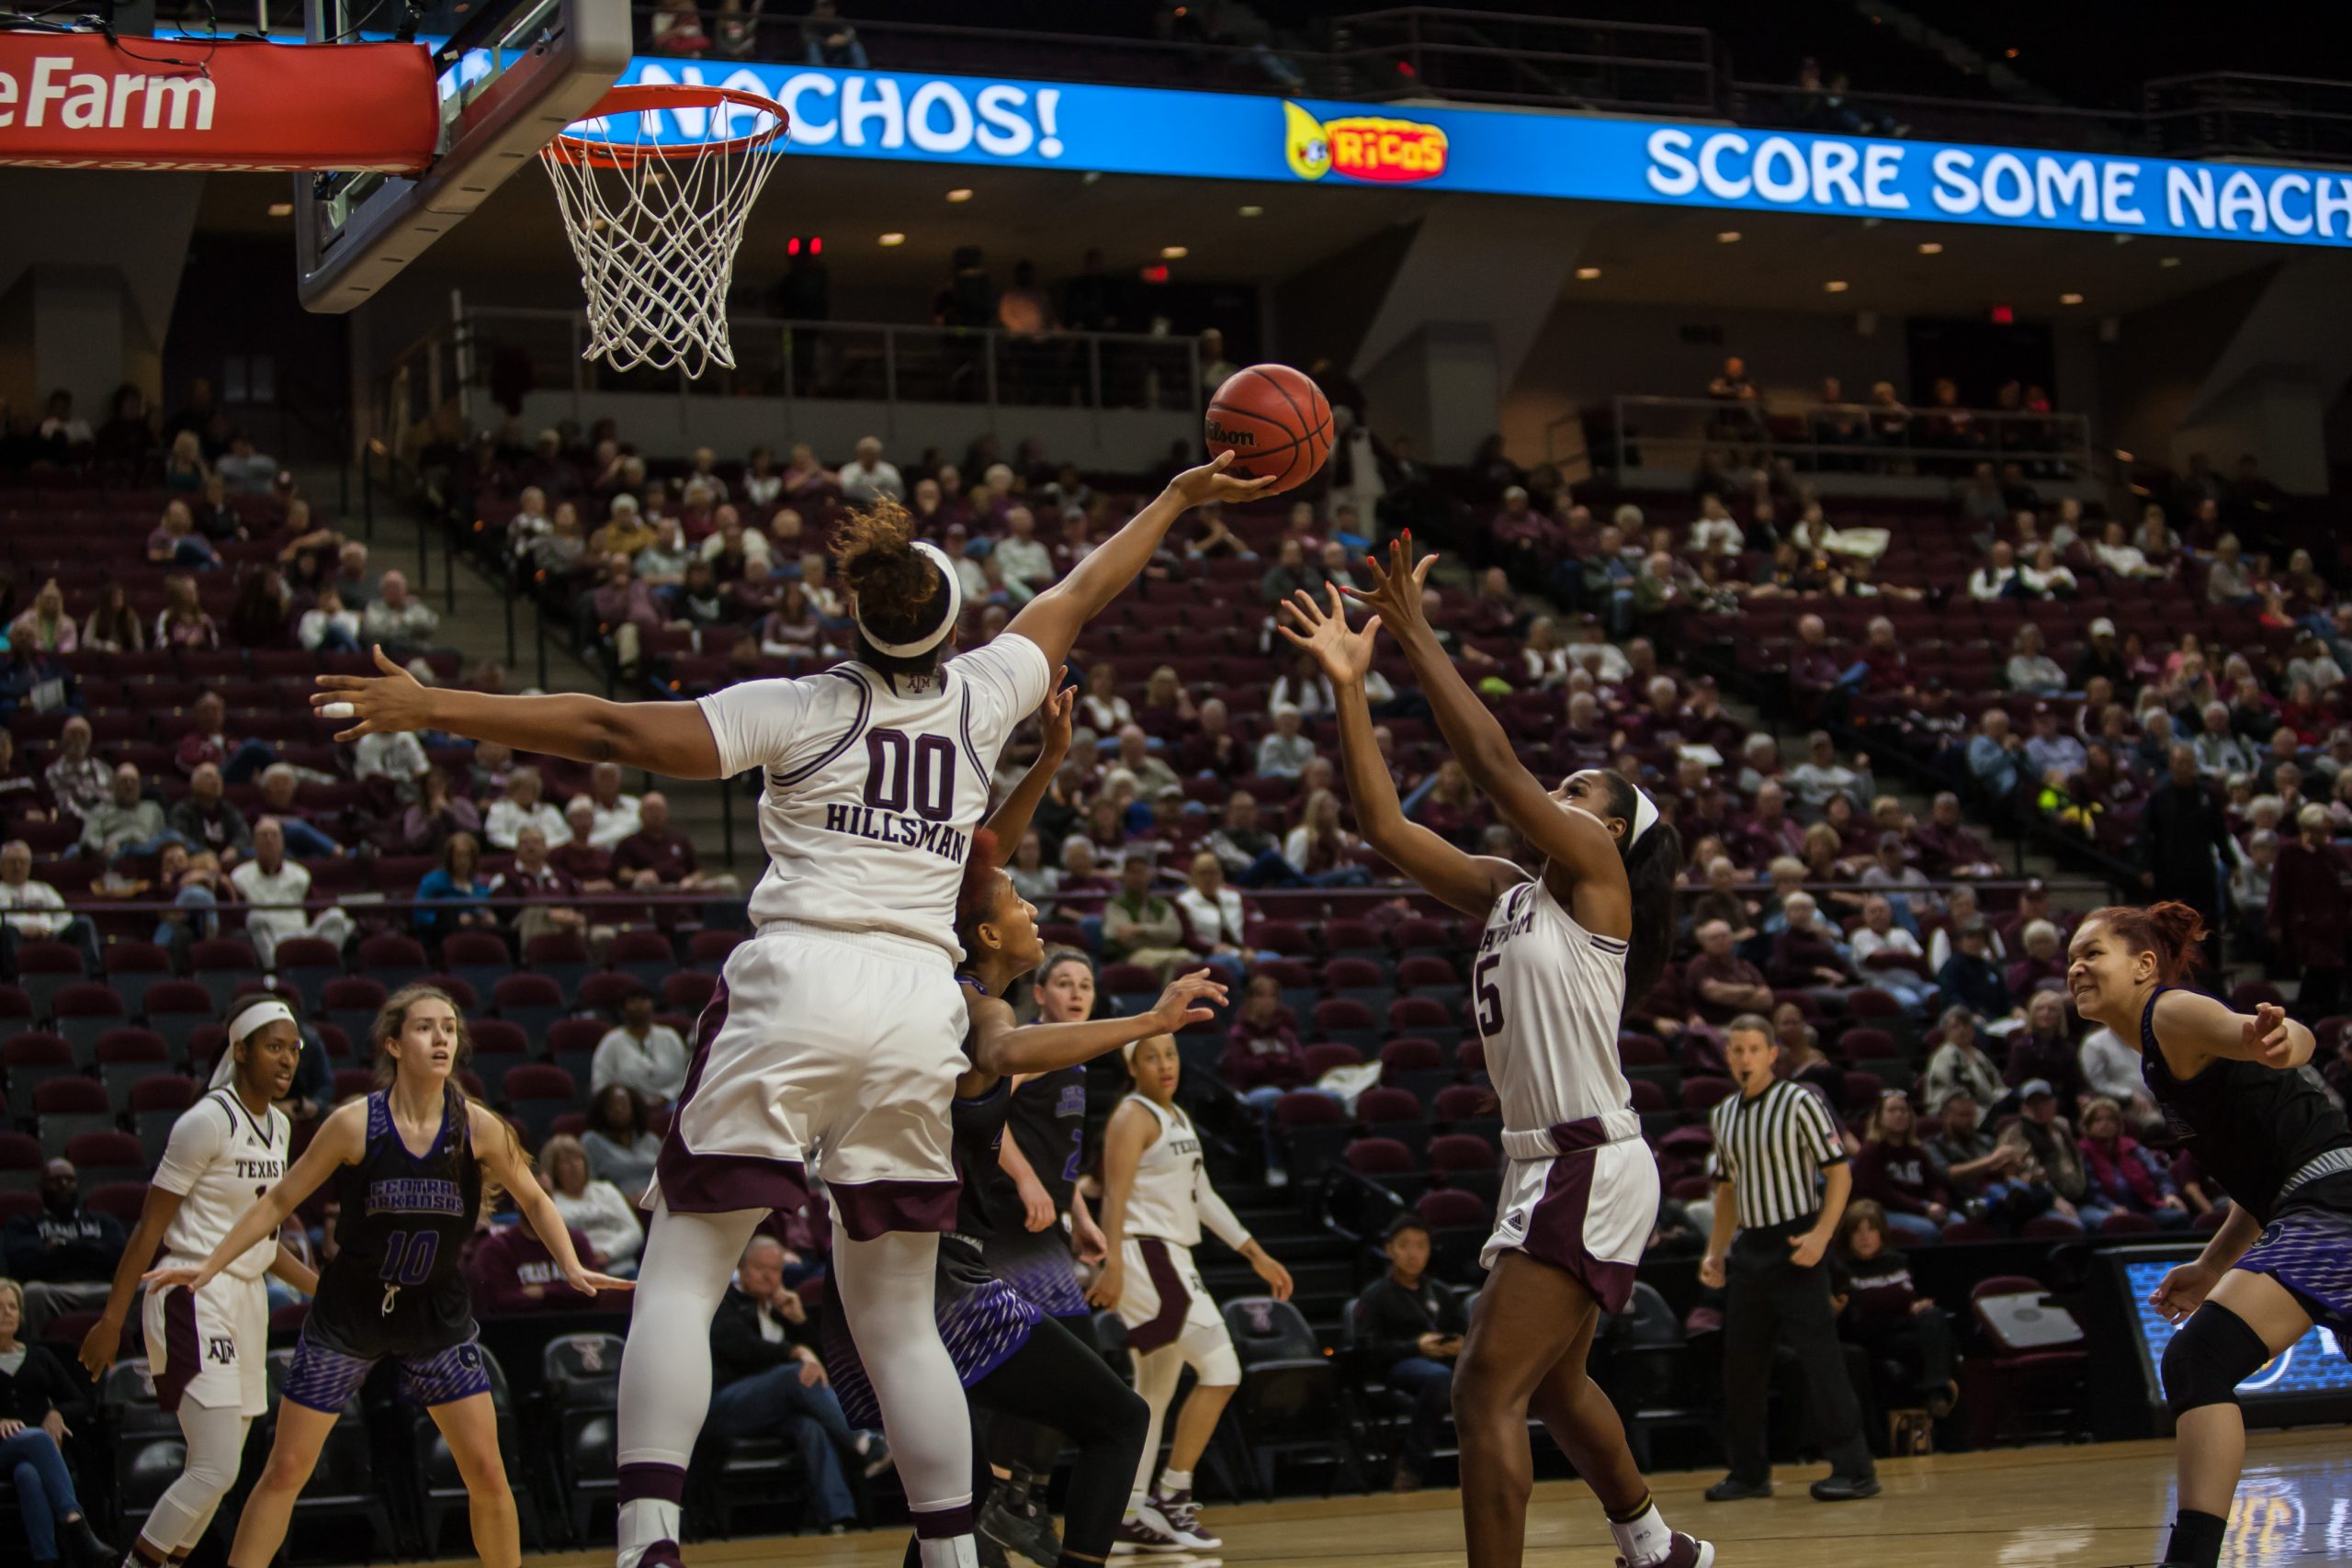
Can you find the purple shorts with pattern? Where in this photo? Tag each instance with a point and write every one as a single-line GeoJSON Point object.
{"type": "Point", "coordinates": [1038, 1265]}
{"type": "Point", "coordinates": [982, 1323]}
{"type": "Point", "coordinates": [324, 1378]}
{"type": "Point", "coordinates": [2308, 1248]}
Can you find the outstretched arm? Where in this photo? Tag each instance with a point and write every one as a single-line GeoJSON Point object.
{"type": "Point", "coordinates": [1565, 838]}
{"type": "Point", "coordinates": [999, 1049]}
{"type": "Point", "coordinates": [2193, 1030]}
{"type": "Point", "coordinates": [503, 1162]}
{"type": "Point", "coordinates": [1010, 821]}
{"type": "Point", "coordinates": [1465, 882]}
{"type": "Point", "coordinates": [670, 739]}
{"type": "Point", "coordinates": [342, 1141]}
{"type": "Point", "coordinates": [1053, 619]}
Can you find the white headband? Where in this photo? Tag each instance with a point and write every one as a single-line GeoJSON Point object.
{"type": "Point", "coordinates": [933, 638]}
{"type": "Point", "coordinates": [1645, 815]}
{"type": "Point", "coordinates": [248, 1020]}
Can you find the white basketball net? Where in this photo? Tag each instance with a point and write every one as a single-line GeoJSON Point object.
{"type": "Point", "coordinates": [656, 231]}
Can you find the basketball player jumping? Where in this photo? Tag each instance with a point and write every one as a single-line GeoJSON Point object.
{"type": "Point", "coordinates": [1561, 952]}
{"type": "Point", "coordinates": [2233, 1089]}
{"type": "Point", "coordinates": [208, 1348]}
{"type": "Point", "coordinates": [395, 1289]}
{"type": "Point", "coordinates": [836, 1035]}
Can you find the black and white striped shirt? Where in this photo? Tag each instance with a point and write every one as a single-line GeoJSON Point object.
{"type": "Point", "coordinates": [1771, 1149]}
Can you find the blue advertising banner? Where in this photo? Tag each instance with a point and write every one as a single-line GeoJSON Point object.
{"type": "Point", "coordinates": [2313, 1364]}
{"type": "Point", "coordinates": [1139, 131]}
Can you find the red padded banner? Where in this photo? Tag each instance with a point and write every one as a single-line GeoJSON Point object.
{"type": "Point", "coordinates": [75, 101]}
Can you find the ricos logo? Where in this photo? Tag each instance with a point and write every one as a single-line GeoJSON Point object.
{"type": "Point", "coordinates": [1363, 147]}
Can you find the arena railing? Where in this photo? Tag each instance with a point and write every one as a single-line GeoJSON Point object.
{"type": "Point", "coordinates": [846, 361]}
{"type": "Point", "coordinates": [1677, 432]}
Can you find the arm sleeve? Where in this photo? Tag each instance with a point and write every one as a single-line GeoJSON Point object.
{"type": "Point", "coordinates": [755, 723]}
{"type": "Point", "coordinates": [195, 1142]}
{"type": "Point", "coordinates": [1218, 1218]}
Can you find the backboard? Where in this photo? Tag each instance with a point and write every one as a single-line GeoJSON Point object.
{"type": "Point", "coordinates": [512, 74]}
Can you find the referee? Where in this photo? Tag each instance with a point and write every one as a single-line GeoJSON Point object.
{"type": "Point", "coordinates": [1776, 1148]}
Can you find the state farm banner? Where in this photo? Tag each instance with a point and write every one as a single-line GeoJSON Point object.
{"type": "Point", "coordinates": [77, 101]}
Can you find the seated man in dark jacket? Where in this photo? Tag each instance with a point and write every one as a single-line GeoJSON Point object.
{"type": "Point", "coordinates": [1412, 1327]}
{"type": "Point", "coordinates": [63, 1253]}
{"type": "Point", "coordinates": [1971, 979]}
{"type": "Point", "coordinates": [765, 1383]}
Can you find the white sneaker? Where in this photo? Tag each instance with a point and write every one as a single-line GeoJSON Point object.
{"type": "Point", "coordinates": [1184, 1516]}
{"type": "Point", "coordinates": [1148, 1531]}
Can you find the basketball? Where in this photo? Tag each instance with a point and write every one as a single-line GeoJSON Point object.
{"type": "Point", "coordinates": [1275, 421]}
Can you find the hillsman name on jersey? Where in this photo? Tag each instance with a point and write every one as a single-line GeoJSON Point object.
{"type": "Point", "coordinates": [887, 828]}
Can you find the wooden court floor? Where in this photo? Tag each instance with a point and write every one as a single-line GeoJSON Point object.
{"type": "Point", "coordinates": [2102, 1507]}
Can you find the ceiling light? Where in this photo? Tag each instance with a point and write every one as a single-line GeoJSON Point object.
{"type": "Point", "coordinates": [2167, 261]}
{"type": "Point", "coordinates": [1173, 253]}
{"type": "Point", "coordinates": [1253, 211]}
{"type": "Point", "coordinates": [2070, 299]}
{"type": "Point", "coordinates": [1728, 237]}
{"type": "Point", "coordinates": [1587, 274]}
{"type": "Point", "coordinates": [893, 238]}
{"type": "Point", "coordinates": [1835, 286]}
{"type": "Point", "coordinates": [959, 194]}
{"type": "Point", "coordinates": [281, 209]}
{"type": "Point", "coordinates": [1931, 247]}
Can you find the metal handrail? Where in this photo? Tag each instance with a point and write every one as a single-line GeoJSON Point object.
{"type": "Point", "coordinates": [779, 357]}
{"type": "Point", "coordinates": [1723, 421]}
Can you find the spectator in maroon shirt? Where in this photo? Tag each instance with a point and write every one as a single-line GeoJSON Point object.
{"type": "Point", "coordinates": [512, 1273]}
{"type": "Point", "coordinates": [2046, 1049]}
{"type": "Point", "coordinates": [1880, 1310]}
{"type": "Point", "coordinates": [549, 889]}
{"type": "Point", "coordinates": [1886, 668]}
{"type": "Point", "coordinates": [1772, 833]}
{"type": "Point", "coordinates": [1721, 984]}
{"type": "Point", "coordinates": [1263, 1059]}
{"type": "Point", "coordinates": [2044, 964]}
{"type": "Point", "coordinates": [2309, 914]}
{"type": "Point", "coordinates": [1895, 1172]}
{"type": "Point", "coordinates": [1804, 954]}
{"type": "Point", "coordinates": [657, 859]}
{"type": "Point", "coordinates": [1212, 748]}
{"type": "Point", "coordinates": [590, 868]}
{"type": "Point", "coordinates": [1813, 664]}
{"type": "Point", "coordinates": [1495, 610]}
{"type": "Point", "coordinates": [207, 741]}
{"type": "Point", "coordinates": [2033, 903]}
{"type": "Point", "coordinates": [1528, 543]}
{"type": "Point", "coordinates": [1947, 847]}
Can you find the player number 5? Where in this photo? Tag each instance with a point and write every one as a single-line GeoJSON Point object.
{"type": "Point", "coordinates": [1490, 997]}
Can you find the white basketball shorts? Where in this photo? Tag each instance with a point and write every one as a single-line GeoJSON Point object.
{"type": "Point", "coordinates": [210, 1346]}
{"type": "Point", "coordinates": [825, 1049]}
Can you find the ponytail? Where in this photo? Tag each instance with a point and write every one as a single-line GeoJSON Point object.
{"type": "Point", "coordinates": [1653, 862]}
{"type": "Point", "coordinates": [2172, 931]}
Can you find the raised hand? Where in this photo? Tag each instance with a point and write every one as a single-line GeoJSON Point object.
{"type": "Point", "coordinates": [1344, 655]}
{"type": "Point", "coordinates": [1211, 482]}
{"type": "Point", "coordinates": [386, 704]}
{"type": "Point", "coordinates": [2268, 1040]}
{"type": "Point", "coordinates": [1186, 1001]}
{"type": "Point", "coordinates": [1055, 716]}
{"type": "Point", "coordinates": [1395, 596]}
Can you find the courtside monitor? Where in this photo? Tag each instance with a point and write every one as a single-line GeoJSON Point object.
{"type": "Point", "coordinates": [2311, 1382]}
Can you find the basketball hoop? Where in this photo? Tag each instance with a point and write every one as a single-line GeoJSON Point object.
{"type": "Point", "coordinates": [656, 224]}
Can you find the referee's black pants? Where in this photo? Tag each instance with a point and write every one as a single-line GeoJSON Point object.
{"type": "Point", "coordinates": [1771, 1301]}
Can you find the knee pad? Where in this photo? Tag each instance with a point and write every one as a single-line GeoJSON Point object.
{"type": "Point", "coordinates": [2214, 1352]}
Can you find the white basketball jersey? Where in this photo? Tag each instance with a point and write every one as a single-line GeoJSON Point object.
{"type": "Point", "coordinates": [1548, 994]}
{"type": "Point", "coordinates": [1172, 1198]}
{"type": "Point", "coordinates": [873, 785]}
{"type": "Point", "coordinates": [1165, 1201]}
{"type": "Point", "coordinates": [221, 1160]}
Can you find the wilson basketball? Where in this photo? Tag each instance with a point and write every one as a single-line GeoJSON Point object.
{"type": "Point", "coordinates": [1275, 421]}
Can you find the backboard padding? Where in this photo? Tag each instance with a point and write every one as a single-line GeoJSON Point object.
{"type": "Point", "coordinates": [510, 82]}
